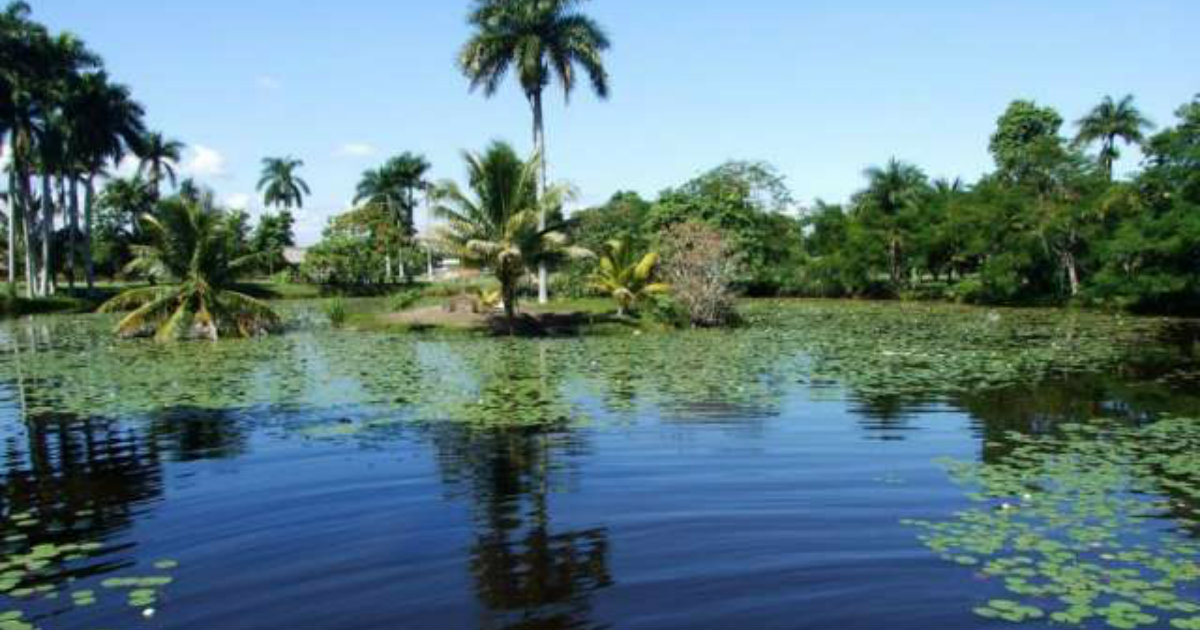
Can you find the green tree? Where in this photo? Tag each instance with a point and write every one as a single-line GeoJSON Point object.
{"type": "Point", "coordinates": [538, 39]}
{"type": "Point", "coordinates": [105, 123]}
{"type": "Point", "coordinates": [750, 203]}
{"type": "Point", "coordinates": [190, 244]}
{"type": "Point", "coordinates": [1023, 132]}
{"type": "Point", "coordinates": [1108, 122]}
{"type": "Point", "coordinates": [496, 226]}
{"type": "Point", "coordinates": [894, 194]}
{"type": "Point", "coordinates": [280, 185]}
{"type": "Point", "coordinates": [158, 157]}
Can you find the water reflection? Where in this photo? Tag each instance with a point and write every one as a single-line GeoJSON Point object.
{"type": "Point", "coordinates": [515, 452]}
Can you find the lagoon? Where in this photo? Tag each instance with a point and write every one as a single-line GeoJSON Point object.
{"type": "Point", "coordinates": [828, 464]}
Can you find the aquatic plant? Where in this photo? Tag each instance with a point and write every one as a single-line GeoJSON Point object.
{"type": "Point", "coordinates": [1069, 524]}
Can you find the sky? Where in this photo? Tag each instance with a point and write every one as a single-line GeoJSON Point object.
{"type": "Point", "coordinates": [819, 89]}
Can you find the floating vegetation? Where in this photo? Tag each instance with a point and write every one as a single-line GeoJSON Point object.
{"type": "Point", "coordinates": [41, 571]}
{"type": "Point", "coordinates": [871, 350]}
{"type": "Point", "coordinates": [1072, 525]}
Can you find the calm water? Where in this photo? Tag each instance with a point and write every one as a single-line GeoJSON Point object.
{"type": "Point", "coordinates": [333, 479]}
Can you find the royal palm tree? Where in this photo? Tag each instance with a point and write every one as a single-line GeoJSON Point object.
{"type": "Point", "coordinates": [540, 39]}
{"type": "Point", "coordinates": [105, 123]}
{"type": "Point", "coordinates": [280, 185]}
{"type": "Point", "coordinates": [190, 244]}
{"type": "Point", "coordinates": [158, 157]}
{"type": "Point", "coordinates": [1109, 121]}
{"type": "Point", "coordinates": [394, 186]}
{"type": "Point", "coordinates": [496, 227]}
{"type": "Point", "coordinates": [626, 276]}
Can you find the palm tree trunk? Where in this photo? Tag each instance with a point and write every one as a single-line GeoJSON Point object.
{"type": "Point", "coordinates": [72, 242]}
{"type": "Point", "coordinates": [47, 231]}
{"type": "Point", "coordinates": [14, 205]}
{"type": "Point", "coordinates": [539, 148]}
{"type": "Point", "coordinates": [89, 195]}
{"type": "Point", "coordinates": [387, 266]}
{"type": "Point", "coordinates": [26, 230]}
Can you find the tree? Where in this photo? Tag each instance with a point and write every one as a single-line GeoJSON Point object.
{"type": "Point", "coordinates": [105, 123]}
{"type": "Point", "coordinates": [158, 157]}
{"type": "Point", "coordinates": [272, 234]}
{"type": "Point", "coordinates": [751, 205]}
{"type": "Point", "coordinates": [1109, 121]}
{"type": "Point", "coordinates": [497, 226]}
{"type": "Point", "coordinates": [1022, 132]}
{"type": "Point", "coordinates": [392, 189]}
{"type": "Point", "coordinates": [700, 266]}
{"type": "Point", "coordinates": [626, 276]}
{"type": "Point", "coordinates": [190, 244]}
{"type": "Point", "coordinates": [893, 194]}
{"type": "Point", "coordinates": [541, 39]}
{"type": "Point", "coordinates": [280, 185]}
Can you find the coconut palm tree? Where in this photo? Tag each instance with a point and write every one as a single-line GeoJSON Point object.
{"type": "Point", "coordinates": [1109, 121]}
{"type": "Point", "coordinates": [159, 156]}
{"type": "Point", "coordinates": [280, 185]}
{"type": "Point", "coordinates": [626, 276]}
{"type": "Point", "coordinates": [497, 226]}
{"type": "Point", "coordinates": [190, 244]}
{"type": "Point", "coordinates": [540, 39]}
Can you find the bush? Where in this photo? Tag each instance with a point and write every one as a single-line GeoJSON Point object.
{"type": "Point", "coordinates": [700, 266]}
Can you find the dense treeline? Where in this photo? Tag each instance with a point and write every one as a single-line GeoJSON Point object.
{"type": "Point", "coordinates": [1049, 225]}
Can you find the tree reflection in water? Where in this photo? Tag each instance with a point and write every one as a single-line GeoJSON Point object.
{"type": "Point", "coordinates": [509, 459]}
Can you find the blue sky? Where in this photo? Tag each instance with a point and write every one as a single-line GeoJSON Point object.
{"type": "Point", "coordinates": [819, 89]}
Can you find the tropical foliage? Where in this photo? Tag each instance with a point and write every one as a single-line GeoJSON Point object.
{"type": "Point", "coordinates": [625, 275]}
{"type": "Point", "coordinates": [280, 185]}
{"type": "Point", "coordinates": [496, 224]}
{"type": "Point", "coordinates": [538, 40]}
{"type": "Point", "coordinates": [190, 245]}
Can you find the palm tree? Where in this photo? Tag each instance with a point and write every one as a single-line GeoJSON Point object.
{"type": "Point", "coordinates": [1109, 121]}
{"type": "Point", "coordinates": [190, 244]}
{"type": "Point", "coordinates": [158, 157]}
{"type": "Point", "coordinates": [105, 123]}
{"type": "Point", "coordinates": [280, 185]}
{"type": "Point", "coordinates": [891, 191]}
{"type": "Point", "coordinates": [497, 226]}
{"type": "Point", "coordinates": [541, 39]}
{"type": "Point", "coordinates": [625, 276]}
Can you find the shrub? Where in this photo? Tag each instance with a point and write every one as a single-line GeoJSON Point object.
{"type": "Point", "coordinates": [700, 266]}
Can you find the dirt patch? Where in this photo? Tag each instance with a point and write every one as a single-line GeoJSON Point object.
{"type": "Point", "coordinates": [436, 316]}
{"type": "Point", "coordinates": [542, 324]}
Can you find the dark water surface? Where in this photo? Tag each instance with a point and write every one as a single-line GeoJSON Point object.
{"type": "Point", "coordinates": [755, 478]}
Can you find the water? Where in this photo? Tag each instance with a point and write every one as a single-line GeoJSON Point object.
{"type": "Point", "coordinates": [754, 478]}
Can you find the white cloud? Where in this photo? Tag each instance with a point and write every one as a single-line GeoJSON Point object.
{"type": "Point", "coordinates": [356, 149]}
{"type": "Point", "coordinates": [203, 161]}
{"type": "Point", "coordinates": [267, 82]}
{"type": "Point", "coordinates": [127, 167]}
{"type": "Point", "coordinates": [238, 201]}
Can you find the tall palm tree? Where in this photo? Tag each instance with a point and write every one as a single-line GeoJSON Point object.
{"type": "Point", "coordinates": [891, 191]}
{"type": "Point", "coordinates": [394, 186]}
{"type": "Point", "coordinates": [626, 276]}
{"type": "Point", "coordinates": [497, 227]}
{"type": "Point", "coordinates": [158, 157]}
{"type": "Point", "coordinates": [280, 185]}
{"type": "Point", "coordinates": [541, 39]}
{"type": "Point", "coordinates": [1109, 121]}
{"type": "Point", "coordinates": [105, 123]}
{"type": "Point", "coordinates": [191, 245]}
